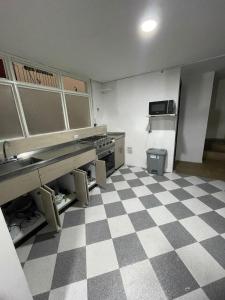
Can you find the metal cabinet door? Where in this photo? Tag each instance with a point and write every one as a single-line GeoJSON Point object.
{"type": "Point", "coordinates": [119, 152]}
{"type": "Point", "coordinates": [100, 173]}
{"type": "Point", "coordinates": [54, 204]}
{"type": "Point", "coordinates": [81, 187]}
{"type": "Point", "coordinates": [48, 208]}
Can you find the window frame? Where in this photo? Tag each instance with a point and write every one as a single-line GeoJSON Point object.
{"type": "Point", "coordinates": [35, 67]}
{"type": "Point", "coordinates": [89, 103]}
{"type": "Point", "coordinates": [37, 88]}
{"type": "Point", "coordinates": [4, 60]}
{"type": "Point", "coordinates": [71, 91]}
{"type": "Point", "coordinates": [8, 61]}
{"type": "Point", "coordinates": [10, 84]}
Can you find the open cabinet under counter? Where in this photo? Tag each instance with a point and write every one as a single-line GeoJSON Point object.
{"type": "Point", "coordinates": [44, 204]}
{"type": "Point", "coordinates": [18, 235]}
{"type": "Point", "coordinates": [66, 201]}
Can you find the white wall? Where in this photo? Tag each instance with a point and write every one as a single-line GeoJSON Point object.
{"type": "Point", "coordinates": [216, 123]}
{"type": "Point", "coordinates": [97, 97]}
{"type": "Point", "coordinates": [13, 285]}
{"type": "Point", "coordinates": [195, 100]}
{"type": "Point", "coordinates": [123, 106]}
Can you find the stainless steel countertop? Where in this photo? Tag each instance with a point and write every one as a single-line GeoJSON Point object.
{"type": "Point", "coordinates": [46, 156]}
{"type": "Point", "coordinates": [116, 135]}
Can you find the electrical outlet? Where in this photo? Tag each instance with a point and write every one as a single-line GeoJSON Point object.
{"type": "Point", "coordinates": [129, 150]}
{"type": "Point", "coordinates": [76, 136]}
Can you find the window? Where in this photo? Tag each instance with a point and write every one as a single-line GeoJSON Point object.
{"type": "Point", "coordinates": [78, 111]}
{"type": "Point", "coordinates": [2, 69]}
{"type": "Point", "coordinates": [9, 120]}
{"type": "Point", "coordinates": [25, 73]}
{"type": "Point", "coordinates": [43, 110]}
{"type": "Point", "coordinates": [75, 85]}
{"type": "Point", "coordinates": [38, 100]}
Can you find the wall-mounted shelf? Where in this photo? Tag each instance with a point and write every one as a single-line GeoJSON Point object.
{"type": "Point", "coordinates": [170, 118]}
{"type": "Point", "coordinates": [164, 115]}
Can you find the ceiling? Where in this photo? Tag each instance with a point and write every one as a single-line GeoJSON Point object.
{"type": "Point", "coordinates": [101, 38]}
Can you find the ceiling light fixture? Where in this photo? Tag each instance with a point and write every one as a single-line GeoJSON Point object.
{"type": "Point", "coordinates": [148, 25]}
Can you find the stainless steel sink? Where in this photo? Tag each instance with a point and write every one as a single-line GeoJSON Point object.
{"type": "Point", "coordinates": [16, 165]}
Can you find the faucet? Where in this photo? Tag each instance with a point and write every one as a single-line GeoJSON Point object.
{"type": "Point", "coordinates": [4, 150]}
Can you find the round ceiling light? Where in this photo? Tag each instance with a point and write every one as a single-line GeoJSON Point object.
{"type": "Point", "coordinates": [148, 25]}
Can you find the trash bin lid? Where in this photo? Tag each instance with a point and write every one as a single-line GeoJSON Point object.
{"type": "Point", "coordinates": [156, 151]}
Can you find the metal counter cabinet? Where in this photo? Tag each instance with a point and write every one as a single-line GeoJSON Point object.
{"type": "Point", "coordinates": [119, 152]}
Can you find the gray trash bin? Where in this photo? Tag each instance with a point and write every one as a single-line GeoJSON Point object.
{"type": "Point", "coordinates": [156, 160]}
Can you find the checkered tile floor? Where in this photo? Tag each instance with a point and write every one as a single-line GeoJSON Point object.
{"type": "Point", "coordinates": [144, 237]}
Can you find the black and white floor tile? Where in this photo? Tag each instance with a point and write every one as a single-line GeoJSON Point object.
{"type": "Point", "coordinates": [143, 237]}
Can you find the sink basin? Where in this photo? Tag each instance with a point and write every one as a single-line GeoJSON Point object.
{"type": "Point", "coordinates": [15, 165]}
{"type": "Point", "coordinates": [28, 161]}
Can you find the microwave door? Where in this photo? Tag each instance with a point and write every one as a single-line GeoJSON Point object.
{"type": "Point", "coordinates": [158, 108]}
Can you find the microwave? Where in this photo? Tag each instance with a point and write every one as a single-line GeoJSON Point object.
{"type": "Point", "coordinates": [161, 107]}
